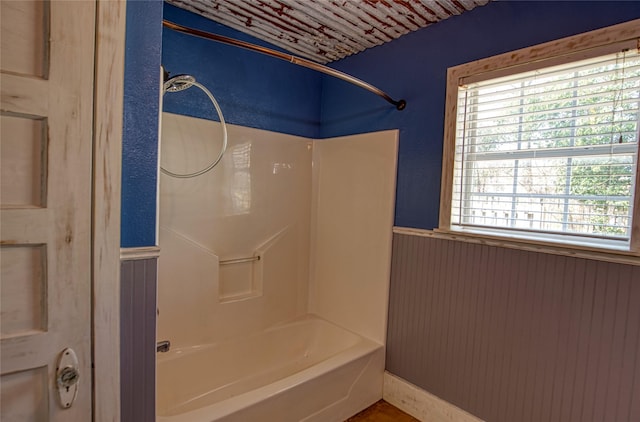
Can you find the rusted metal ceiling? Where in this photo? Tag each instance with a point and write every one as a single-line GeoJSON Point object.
{"type": "Point", "coordinates": [327, 30]}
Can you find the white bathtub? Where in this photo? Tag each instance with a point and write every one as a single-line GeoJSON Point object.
{"type": "Point", "coordinates": [305, 370]}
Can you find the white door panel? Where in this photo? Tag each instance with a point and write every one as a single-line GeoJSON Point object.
{"type": "Point", "coordinates": [45, 218]}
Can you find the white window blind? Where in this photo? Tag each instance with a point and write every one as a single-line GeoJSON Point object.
{"type": "Point", "coordinates": [550, 153]}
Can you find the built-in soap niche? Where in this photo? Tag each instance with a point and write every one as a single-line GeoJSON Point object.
{"type": "Point", "coordinates": [243, 277]}
{"type": "Point", "coordinates": [240, 278]}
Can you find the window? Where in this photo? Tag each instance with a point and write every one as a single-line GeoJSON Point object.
{"type": "Point", "coordinates": [546, 148]}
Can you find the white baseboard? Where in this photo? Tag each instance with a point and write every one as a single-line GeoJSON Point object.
{"type": "Point", "coordinates": [421, 404]}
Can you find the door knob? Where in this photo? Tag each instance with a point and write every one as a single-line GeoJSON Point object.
{"type": "Point", "coordinates": [67, 377]}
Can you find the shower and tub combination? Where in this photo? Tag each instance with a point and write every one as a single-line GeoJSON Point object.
{"type": "Point", "coordinates": [273, 273]}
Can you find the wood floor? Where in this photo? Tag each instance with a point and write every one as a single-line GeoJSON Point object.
{"type": "Point", "coordinates": [382, 412]}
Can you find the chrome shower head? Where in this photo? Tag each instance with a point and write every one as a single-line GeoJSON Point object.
{"type": "Point", "coordinates": [179, 83]}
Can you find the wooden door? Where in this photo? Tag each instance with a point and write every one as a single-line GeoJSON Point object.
{"type": "Point", "coordinates": [47, 57]}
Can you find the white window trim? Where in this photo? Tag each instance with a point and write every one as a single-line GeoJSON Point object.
{"type": "Point", "coordinates": [582, 45]}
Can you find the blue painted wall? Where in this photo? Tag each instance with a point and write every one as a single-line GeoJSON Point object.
{"type": "Point", "coordinates": [266, 93]}
{"type": "Point", "coordinates": [414, 67]}
{"type": "Point", "coordinates": [253, 90]}
{"type": "Point", "coordinates": [140, 123]}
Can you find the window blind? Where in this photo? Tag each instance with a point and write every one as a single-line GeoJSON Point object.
{"type": "Point", "coordinates": [550, 151]}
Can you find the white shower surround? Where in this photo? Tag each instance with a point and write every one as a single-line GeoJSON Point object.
{"type": "Point", "coordinates": [319, 214]}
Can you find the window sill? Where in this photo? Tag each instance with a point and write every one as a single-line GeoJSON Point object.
{"type": "Point", "coordinates": [576, 251]}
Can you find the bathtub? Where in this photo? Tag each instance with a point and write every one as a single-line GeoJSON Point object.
{"type": "Point", "coordinates": [305, 370]}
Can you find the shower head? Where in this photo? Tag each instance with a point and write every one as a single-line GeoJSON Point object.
{"type": "Point", "coordinates": [179, 83]}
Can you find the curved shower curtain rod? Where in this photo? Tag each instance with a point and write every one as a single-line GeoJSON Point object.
{"type": "Point", "coordinates": [400, 105]}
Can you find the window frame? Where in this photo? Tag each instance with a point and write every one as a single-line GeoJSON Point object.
{"type": "Point", "coordinates": [577, 47]}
